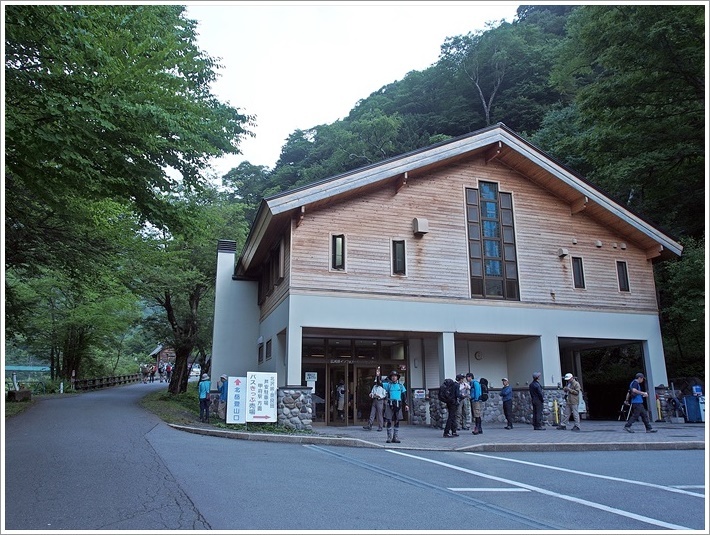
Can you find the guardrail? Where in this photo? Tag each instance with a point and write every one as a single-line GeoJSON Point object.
{"type": "Point", "coordinates": [103, 382]}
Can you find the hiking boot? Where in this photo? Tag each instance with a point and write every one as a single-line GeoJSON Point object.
{"type": "Point", "coordinates": [575, 428]}
{"type": "Point", "coordinates": [379, 429]}
{"type": "Point", "coordinates": [561, 427]}
{"type": "Point", "coordinates": [367, 427]}
{"type": "Point", "coordinates": [507, 427]}
{"type": "Point", "coordinates": [448, 435]}
{"type": "Point", "coordinates": [628, 429]}
{"type": "Point", "coordinates": [651, 430]}
{"type": "Point", "coordinates": [454, 434]}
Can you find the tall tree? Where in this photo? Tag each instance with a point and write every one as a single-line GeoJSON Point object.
{"type": "Point", "coordinates": [103, 102]}
{"type": "Point", "coordinates": [174, 272]}
{"type": "Point", "coordinates": [637, 77]}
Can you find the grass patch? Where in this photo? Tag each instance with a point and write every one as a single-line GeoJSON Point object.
{"type": "Point", "coordinates": [184, 409]}
{"type": "Point", "coordinates": [13, 408]}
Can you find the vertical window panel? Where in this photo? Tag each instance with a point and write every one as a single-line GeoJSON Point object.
{"type": "Point", "coordinates": [490, 231]}
{"type": "Point", "coordinates": [398, 258]}
{"type": "Point", "coordinates": [338, 252]}
{"type": "Point", "coordinates": [623, 275]}
{"type": "Point", "coordinates": [578, 272]}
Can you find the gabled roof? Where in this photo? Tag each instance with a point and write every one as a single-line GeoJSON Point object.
{"type": "Point", "coordinates": [495, 142]}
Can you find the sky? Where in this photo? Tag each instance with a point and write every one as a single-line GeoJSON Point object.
{"type": "Point", "coordinates": [296, 65]}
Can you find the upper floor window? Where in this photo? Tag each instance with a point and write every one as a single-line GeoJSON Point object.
{"type": "Point", "coordinates": [578, 272]}
{"type": "Point", "coordinates": [491, 243]}
{"type": "Point", "coordinates": [273, 271]}
{"type": "Point", "coordinates": [399, 264]}
{"type": "Point", "coordinates": [623, 275]}
{"type": "Point", "coordinates": [268, 349]}
{"type": "Point", "coordinates": [337, 252]}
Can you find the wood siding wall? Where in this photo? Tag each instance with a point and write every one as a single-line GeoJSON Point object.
{"type": "Point", "coordinates": [437, 263]}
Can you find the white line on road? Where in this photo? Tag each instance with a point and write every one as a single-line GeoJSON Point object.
{"type": "Point", "coordinates": [546, 492]}
{"type": "Point", "coordinates": [490, 489]}
{"type": "Point", "coordinates": [588, 474]}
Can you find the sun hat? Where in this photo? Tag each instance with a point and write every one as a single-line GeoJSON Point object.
{"type": "Point", "coordinates": [504, 379]}
{"type": "Point", "coordinates": [205, 376]}
{"type": "Point", "coordinates": [568, 377]}
{"type": "Point", "coordinates": [223, 376]}
{"type": "Point", "coordinates": [536, 375]}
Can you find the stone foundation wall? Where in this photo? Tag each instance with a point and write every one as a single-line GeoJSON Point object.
{"type": "Point", "coordinates": [493, 408]}
{"type": "Point", "coordinates": [294, 408]}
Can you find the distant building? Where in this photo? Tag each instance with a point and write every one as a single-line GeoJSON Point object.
{"type": "Point", "coordinates": [163, 353]}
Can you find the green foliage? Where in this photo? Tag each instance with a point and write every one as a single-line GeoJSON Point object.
{"type": "Point", "coordinates": [102, 102]}
{"type": "Point", "coordinates": [636, 74]}
{"type": "Point", "coordinates": [681, 286]}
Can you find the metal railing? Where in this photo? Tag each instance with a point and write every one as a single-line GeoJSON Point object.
{"type": "Point", "coordinates": [103, 382]}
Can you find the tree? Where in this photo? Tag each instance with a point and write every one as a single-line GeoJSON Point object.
{"type": "Point", "coordinates": [103, 102]}
{"type": "Point", "coordinates": [637, 77]}
{"type": "Point", "coordinates": [174, 272]}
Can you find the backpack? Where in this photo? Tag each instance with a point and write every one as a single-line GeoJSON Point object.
{"type": "Point", "coordinates": [447, 394]}
{"type": "Point", "coordinates": [484, 389]}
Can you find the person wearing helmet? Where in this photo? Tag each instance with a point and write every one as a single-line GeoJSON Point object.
{"type": "Point", "coordinates": [395, 402]}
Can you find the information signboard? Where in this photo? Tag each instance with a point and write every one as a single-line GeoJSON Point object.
{"type": "Point", "coordinates": [236, 400]}
{"type": "Point", "coordinates": [261, 397]}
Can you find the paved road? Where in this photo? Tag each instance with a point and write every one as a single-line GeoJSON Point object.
{"type": "Point", "coordinates": [86, 462]}
{"type": "Point", "coordinates": [98, 461]}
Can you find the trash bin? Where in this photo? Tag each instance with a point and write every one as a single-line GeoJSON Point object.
{"type": "Point", "coordinates": [692, 409]}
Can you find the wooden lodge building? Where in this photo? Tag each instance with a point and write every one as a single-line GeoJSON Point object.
{"type": "Point", "coordinates": [480, 254]}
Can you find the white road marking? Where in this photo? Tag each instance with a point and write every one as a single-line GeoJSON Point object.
{"type": "Point", "coordinates": [546, 492]}
{"type": "Point", "coordinates": [668, 488]}
{"type": "Point", "coordinates": [491, 489]}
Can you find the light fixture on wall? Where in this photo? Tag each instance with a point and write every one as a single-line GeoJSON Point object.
{"type": "Point", "coordinates": [562, 252]}
{"type": "Point", "coordinates": [260, 340]}
{"type": "Point", "coordinates": [598, 243]}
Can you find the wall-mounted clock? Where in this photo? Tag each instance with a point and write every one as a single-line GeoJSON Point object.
{"type": "Point", "coordinates": [478, 355]}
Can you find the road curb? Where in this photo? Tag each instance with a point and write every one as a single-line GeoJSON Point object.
{"type": "Point", "coordinates": [479, 447]}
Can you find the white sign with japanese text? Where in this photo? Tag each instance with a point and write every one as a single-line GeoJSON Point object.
{"type": "Point", "coordinates": [236, 400]}
{"type": "Point", "coordinates": [261, 397]}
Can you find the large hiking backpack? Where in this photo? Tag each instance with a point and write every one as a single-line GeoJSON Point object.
{"type": "Point", "coordinates": [447, 394]}
{"type": "Point", "coordinates": [484, 389]}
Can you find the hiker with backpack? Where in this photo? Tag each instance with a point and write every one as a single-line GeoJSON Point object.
{"type": "Point", "coordinates": [463, 413]}
{"type": "Point", "coordinates": [479, 394]}
{"type": "Point", "coordinates": [449, 394]}
{"type": "Point", "coordinates": [394, 405]}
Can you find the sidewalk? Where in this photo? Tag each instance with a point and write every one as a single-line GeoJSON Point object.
{"type": "Point", "coordinates": [598, 435]}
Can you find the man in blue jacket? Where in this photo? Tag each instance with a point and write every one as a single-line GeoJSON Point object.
{"type": "Point", "coordinates": [476, 406]}
{"type": "Point", "coordinates": [506, 396]}
{"type": "Point", "coordinates": [637, 407]}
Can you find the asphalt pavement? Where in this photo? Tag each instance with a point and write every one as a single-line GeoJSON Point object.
{"type": "Point", "coordinates": [600, 435]}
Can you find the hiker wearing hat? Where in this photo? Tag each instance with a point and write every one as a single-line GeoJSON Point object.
{"type": "Point", "coordinates": [222, 386]}
{"type": "Point", "coordinates": [638, 410]}
{"type": "Point", "coordinates": [396, 401]}
{"type": "Point", "coordinates": [203, 392]}
{"type": "Point", "coordinates": [537, 397]}
{"type": "Point", "coordinates": [572, 391]}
